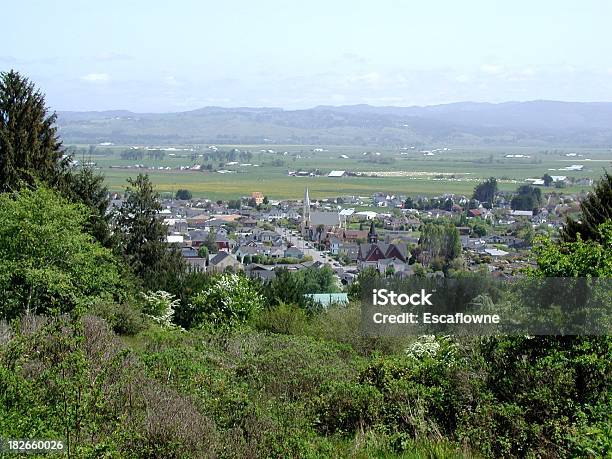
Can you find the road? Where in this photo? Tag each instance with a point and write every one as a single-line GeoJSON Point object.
{"type": "Point", "coordinates": [300, 243]}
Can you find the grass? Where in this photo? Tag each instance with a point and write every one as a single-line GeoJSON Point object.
{"type": "Point", "coordinates": [468, 167]}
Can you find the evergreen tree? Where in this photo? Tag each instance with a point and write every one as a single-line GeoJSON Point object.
{"type": "Point", "coordinates": [87, 186]}
{"type": "Point", "coordinates": [485, 191]}
{"type": "Point", "coordinates": [596, 209]}
{"type": "Point", "coordinates": [30, 149]}
{"type": "Point", "coordinates": [143, 237]}
{"type": "Point", "coordinates": [528, 198]}
{"type": "Point", "coordinates": [183, 194]}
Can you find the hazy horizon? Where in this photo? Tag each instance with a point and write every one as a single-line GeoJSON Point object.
{"type": "Point", "coordinates": [245, 107]}
{"type": "Point", "coordinates": [151, 57]}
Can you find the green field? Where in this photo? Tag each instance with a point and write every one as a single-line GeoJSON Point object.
{"type": "Point", "coordinates": [450, 171]}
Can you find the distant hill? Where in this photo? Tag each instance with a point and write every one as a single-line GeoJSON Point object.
{"type": "Point", "coordinates": [534, 123]}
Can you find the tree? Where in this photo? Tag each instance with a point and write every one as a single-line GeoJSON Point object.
{"type": "Point", "coordinates": [364, 279]}
{"type": "Point", "coordinates": [525, 232]}
{"type": "Point", "coordinates": [230, 300]}
{"type": "Point", "coordinates": [291, 287]}
{"type": "Point", "coordinates": [183, 194]}
{"type": "Point", "coordinates": [485, 191]}
{"type": "Point", "coordinates": [266, 201]}
{"type": "Point", "coordinates": [548, 180]}
{"type": "Point", "coordinates": [87, 186]}
{"type": "Point", "coordinates": [528, 198]}
{"type": "Point", "coordinates": [203, 252]}
{"type": "Point", "coordinates": [211, 241]}
{"type": "Point", "coordinates": [30, 149]}
{"type": "Point", "coordinates": [439, 241]}
{"type": "Point", "coordinates": [48, 263]}
{"type": "Point", "coordinates": [595, 209]}
{"type": "Point", "coordinates": [581, 258]}
{"type": "Point", "coordinates": [143, 236]}
{"type": "Point", "coordinates": [480, 229]}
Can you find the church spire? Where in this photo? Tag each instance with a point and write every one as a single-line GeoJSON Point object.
{"type": "Point", "coordinates": [306, 212]}
{"type": "Point", "coordinates": [372, 236]}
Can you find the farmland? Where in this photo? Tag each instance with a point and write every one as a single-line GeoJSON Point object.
{"type": "Point", "coordinates": [407, 171]}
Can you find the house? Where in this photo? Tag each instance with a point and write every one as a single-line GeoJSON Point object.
{"type": "Point", "coordinates": [293, 252]}
{"type": "Point", "coordinates": [354, 235]}
{"type": "Point", "coordinates": [261, 272]}
{"type": "Point", "coordinates": [337, 174]}
{"type": "Point", "coordinates": [368, 214]}
{"type": "Point", "coordinates": [195, 263]}
{"type": "Point", "coordinates": [258, 197]}
{"type": "Point", "coordinates": [223, 243]}
{"type": "Point", "coordinates": [249, 251]}
{"type": "Point", "coordinates": [197, 237]}
{"type": "Point", "coordinates": [189, 252]}
{"type": "Point", "coordinates": [496, 252]}
{"type": "Point", "coordinates": [333, 244]}
{"type": "Point", "coordinates": [369, 254]}
{"type": "Point", "coordinates": [396, 265]}
{"type": "Point", "coordinates": [223, 261]}
{"type": "Point", "coordinates": [176, 225]}
{"type": "Point", "coordinates": [350, 251]}
{"type": "Point", "coordinates": [522, 213]}
{"type": "Point", "coordinates": [318, 224]}
{"type": "Point", "coordinates": [249, 223]}
{"type": "Point", "coordinates": [268, 236]}
{"type": "Point", "coordinates": [174, 239]}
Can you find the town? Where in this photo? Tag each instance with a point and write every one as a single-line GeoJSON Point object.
{"type": "Point", "coordinates": [394, 235]}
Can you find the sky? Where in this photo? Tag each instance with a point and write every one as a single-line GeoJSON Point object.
{"type": "Point", "coordinates": [161, 56]}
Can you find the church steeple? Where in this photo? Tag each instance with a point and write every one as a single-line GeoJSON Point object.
{"type": "Point", "coordinates": [372, 236]}
{"type": "Point", "coordinates": [306, 212]}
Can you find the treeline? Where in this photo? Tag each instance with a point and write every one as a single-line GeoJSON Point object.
{"type": "Point", "coordinates": [138, 154]}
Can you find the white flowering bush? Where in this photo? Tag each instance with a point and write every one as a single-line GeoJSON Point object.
{"type": "Point", "coordinates": [230, 300]}
{"type": "Point", "coordinates": [160, 307]}
{"type": "Point", "coordinates": [426, 345]}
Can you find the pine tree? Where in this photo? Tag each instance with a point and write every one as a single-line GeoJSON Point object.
{"type": "Point", "coordinates": [30, 149]}
{"type": "Point", "coordinates": [596, 209]}
{"type": "Point", "coordinates": [87, 186]}
{"type": "Point", "coordinates": [485, 191]}
{"type": "Point", "coordinates": [143, 237]}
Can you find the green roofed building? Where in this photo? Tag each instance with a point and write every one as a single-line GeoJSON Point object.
{"type": "Point", "coordinates": [327, 299]}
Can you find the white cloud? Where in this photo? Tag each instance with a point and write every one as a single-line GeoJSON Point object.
{"type": "Point", "coordinates": [96, 77]}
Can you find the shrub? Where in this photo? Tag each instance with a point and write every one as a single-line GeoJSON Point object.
{"type": "Point", "coordinates": [160, 306]}
{"type": "Point", "coordinates": [230, 300]}
{"type": "Point", "coordinates": [287, 319]}
{"type": "Point", "coordinates": [47, 260]}
{"type": "Point", "coordinates": [346, 407]}
{"type": "Point", "coordinates": [123, 318]}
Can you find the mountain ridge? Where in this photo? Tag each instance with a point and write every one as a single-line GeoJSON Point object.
{"type": "Point", "coordinates": [539, 122]}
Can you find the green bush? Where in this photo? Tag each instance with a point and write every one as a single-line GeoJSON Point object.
{"type": "Point", "coordinates": [123, 318]}
{"type": "Point", "coordinates": [287, 319]}
{"type": "Point", "coordinates": [47, 260]}
{"type": "Point", "coordinates": [230, 300]}
{"type": "Point", "coordinates": [346, 407]}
